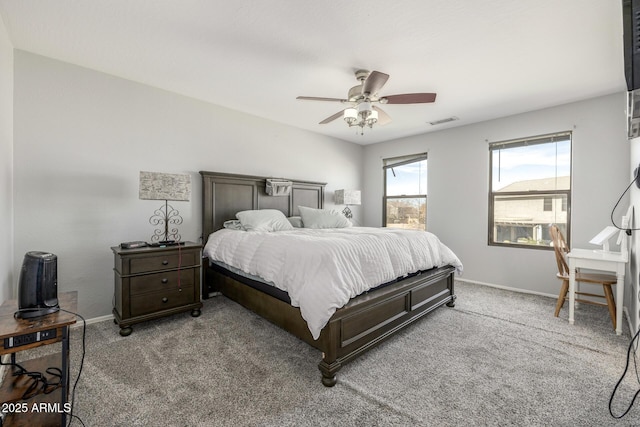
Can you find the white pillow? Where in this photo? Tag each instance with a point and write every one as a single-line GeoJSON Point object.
{"type": "Point", "coordinates": [264, 220]}
{"type": "Point", "coordinates": [322, 218]}
{"type": "Point", "coordinates": [296, 221]}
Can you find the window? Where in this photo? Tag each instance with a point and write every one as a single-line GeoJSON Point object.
{"type": "Point", "coordinates": [530, 188]}
{"type": "Point", "coordinates": [405, 192]}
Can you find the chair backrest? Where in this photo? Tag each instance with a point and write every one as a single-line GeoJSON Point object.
{"type": "Point", "coordinates": [560, 248]}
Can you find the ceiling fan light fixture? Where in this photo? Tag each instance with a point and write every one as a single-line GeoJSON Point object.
{"type": "Point", "coordinates": [373, 118]}
{"type": "Point", "coordinates": [364, 110]}
{"type": "Point", "coordinates": [350, 116]}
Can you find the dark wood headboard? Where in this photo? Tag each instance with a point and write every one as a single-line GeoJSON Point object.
{"type": "Point", "coordinates": [224, 194]}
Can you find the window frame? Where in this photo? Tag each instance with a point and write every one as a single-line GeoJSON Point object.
{"type": "Point", "coordinates": [392, 162]}
{"type": "Point", "coordinates": [534, 140]}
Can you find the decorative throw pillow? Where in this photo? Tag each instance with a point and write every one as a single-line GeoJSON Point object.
{"type": "Point", "coordinates": [264, 220]}
{"type": "Point", "coordinates": [322, 218]}
{"type": "Point", "coordinates": [233, 224]}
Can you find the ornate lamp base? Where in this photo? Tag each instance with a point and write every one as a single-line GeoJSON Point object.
{"type": "Point", "coordinates": [347, 212]}
{"type": "Point", "coordinates": [162, 217]}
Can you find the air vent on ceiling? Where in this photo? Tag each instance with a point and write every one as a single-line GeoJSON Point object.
{"type": "Point", "coordinates": [447, 120]}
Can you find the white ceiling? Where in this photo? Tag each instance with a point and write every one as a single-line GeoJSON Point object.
{"type": "Point", "coordinates": [484, 58]}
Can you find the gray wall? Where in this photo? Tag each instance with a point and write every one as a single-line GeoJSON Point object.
{"type": "Point", "coordinates": [6, 164]}
{"type": "Point", "coordinates": [457, 203]}
{"type": "Point", "coordinates": [81, 138]}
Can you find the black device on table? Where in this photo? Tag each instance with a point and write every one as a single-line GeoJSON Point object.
{"type": "Point", "coordinates": [141, 244]}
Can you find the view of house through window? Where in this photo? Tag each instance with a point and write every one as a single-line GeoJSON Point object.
{"type": "Point", "coordinates": [405, 192]}
{"type": "Point", "coordinates": [530, 190]}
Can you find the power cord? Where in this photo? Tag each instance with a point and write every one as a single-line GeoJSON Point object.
{"type": "Point", "coordinates": [179, 266]}
{"type": "Point", "coordinates": [626, 368]}
{"type": "Point", "coordinates": [627, 230]}
{"type": "Point", "coordinates": [75, 384]}
{"type": "Point", "coordinates": [37, 378]}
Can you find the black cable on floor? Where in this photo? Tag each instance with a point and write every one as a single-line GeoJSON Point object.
{"type": "Point", "coordinates": [626, 368]}
{"type": "Point", "coordinates": [75, 384]}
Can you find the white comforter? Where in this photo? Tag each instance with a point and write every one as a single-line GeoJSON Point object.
{"type": "Point", "coordinates": [321, 269]}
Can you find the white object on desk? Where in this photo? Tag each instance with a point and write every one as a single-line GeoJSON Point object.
{"type": "Point", "coordinates": [602, 238]}
{"type": "Point", "coordinates": [598, 260]}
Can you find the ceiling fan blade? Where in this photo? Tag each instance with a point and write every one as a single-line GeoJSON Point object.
{"type": "Point", "coordinates": [410, 98]}
{"type": "Point", "coordinates": [315, 98]}
{"type": "Point", "coordinates": [383, 118]}
{"type": "Point", "coordinates": [374, 82]}
{"type": "Point", "coordinates": [332, 118]}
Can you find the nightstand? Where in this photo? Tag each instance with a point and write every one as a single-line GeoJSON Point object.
{"type": "Point", "coordinates": [153, 282]}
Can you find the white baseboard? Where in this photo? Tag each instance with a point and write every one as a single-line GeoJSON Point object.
{"type": "Point", "coordinates": [626, 312]}
{"type": "Point", "coordinates": [508, 288]}
{"type": "Point", "coordinates": [94, 320]}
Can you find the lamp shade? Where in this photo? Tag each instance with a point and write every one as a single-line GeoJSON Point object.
{"type": "Point", "coordinates": [364, 108]}
{"type": "Point", "coordinates": [346, 197]}
{"type": "Point", "coordinates": [350, 115]}
{"type": "Point", "coordinates": [373, 118]}
{"type": "Point", "coordinates": [164, 186]}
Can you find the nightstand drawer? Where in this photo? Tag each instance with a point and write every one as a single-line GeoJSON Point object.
{"type": "Point", "coordinates": [158, 301]}
{"type": "Point", "coordinates": [162, 281]}
{"type": "Point", "coordinates": [172, 259]}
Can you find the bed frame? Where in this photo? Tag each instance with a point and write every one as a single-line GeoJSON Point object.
{"type": "Point", "coordinates": [363, 323]}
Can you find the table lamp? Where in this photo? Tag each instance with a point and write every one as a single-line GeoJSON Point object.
{"type": "Point", "coordinates": [165, 186]}
{"type": "Point", "coordinates": [347, 197]}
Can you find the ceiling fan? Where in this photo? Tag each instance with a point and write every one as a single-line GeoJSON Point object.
{"type": "Point", "coordinates": [361, 98]}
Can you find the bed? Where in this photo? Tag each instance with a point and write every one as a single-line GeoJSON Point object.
{"type": "Point", "coordinates": [364, 322]}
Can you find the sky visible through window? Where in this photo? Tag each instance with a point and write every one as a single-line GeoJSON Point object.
{"type": "Point", "coordinates": [410, 179]}
{"type": "Point", "coordinates": [530, 162]}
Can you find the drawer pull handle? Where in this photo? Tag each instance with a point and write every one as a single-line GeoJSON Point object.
{"type": "Point", "coordinates": [165, 262]}
{"type": "Point", "coordinates": [165, 280]}
{"type": "Point", "coordinates": [165, 299]}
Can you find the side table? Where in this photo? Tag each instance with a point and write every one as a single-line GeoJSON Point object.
{"type": "Point", "coordinates": [22, 334]}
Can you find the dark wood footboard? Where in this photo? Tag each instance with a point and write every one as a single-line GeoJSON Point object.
{"type": "Point", "coordinates": [363, 323]}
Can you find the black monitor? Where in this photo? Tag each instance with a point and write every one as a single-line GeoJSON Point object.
{"type": "Point", "coordinates": [631, 33]}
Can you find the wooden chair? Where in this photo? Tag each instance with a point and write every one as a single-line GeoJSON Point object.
{"type": "Point", "coordinates": [606, 280]}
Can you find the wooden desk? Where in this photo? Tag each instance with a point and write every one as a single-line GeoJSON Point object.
{"type": "Point", "coordinates": [13, 387]}
{"type": "Point", "coordinates": [590, 259]}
